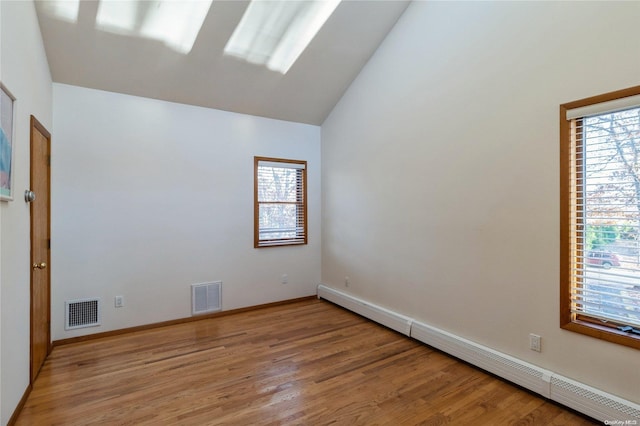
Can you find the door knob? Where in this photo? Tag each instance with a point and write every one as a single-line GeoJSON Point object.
{"type": "Point", "coordinates": [39, 265]}
{"type": "Point", "coordinates": [29, 196]}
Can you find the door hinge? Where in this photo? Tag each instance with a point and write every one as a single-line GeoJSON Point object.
{"type": "Point", "coordinates": [49, 243]}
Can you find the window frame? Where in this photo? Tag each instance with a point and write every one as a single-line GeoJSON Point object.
{"type": "Point", "coordinates": [300, 239]}
{"type": "Point", "coordinates": [570, 241]}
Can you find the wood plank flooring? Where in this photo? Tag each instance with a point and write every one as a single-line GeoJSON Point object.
{"type": "Point", "coordinates": [306, 363]}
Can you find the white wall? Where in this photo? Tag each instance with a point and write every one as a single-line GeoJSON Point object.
{"type": "Point", "coordinates": [441, 172]}
{"type": "Point", "coordinates": [26, 74]}
{"type": "Point", "coordinates": [150, 197]}
{"type": "Point", "coordinates": [1, 422]}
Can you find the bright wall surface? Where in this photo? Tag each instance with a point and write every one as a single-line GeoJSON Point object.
{"type": "Point", "coordinates": [150, 197]}
{"type": "Point", "coordinates": [441, 172]}
{"type": "Point", "coordinates": [25, 73]}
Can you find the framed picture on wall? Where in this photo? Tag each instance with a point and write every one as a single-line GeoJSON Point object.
{"type": "Point", "coordinates": [6, 144]}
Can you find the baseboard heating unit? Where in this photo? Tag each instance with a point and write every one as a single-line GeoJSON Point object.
{"type": "Point", "coordinates": [383, 316]}
{"type": "Point", "coordinates": [578, 396]}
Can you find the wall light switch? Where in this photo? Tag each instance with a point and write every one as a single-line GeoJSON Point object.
{"type": "Point", "coordinates": [119, 301]}
{"type": "Point", "coordinates": [535, 342]}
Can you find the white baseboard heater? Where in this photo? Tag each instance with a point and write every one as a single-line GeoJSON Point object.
{"type": "Point", "coordinates": [578, 396]}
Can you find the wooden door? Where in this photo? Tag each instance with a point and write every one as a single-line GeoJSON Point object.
{"type": "Point", "coordinates": [40, 246]}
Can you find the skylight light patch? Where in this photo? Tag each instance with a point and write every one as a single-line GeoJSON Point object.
{"type": "Point", "coordinates": [66, 10]}
{"type": "Point", "coordinates": [176, 23]}
{"type": "Point", "coordinates": [275, 33]}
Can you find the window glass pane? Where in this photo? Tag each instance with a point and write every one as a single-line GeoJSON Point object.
{"type": "Point", "coordinates": [277, 184]}
{"type": "Point", "coordinates": [278, 221]}
{"type": "Point", "coordinates": [280, 202]}
{"type": "Point", "coordinates": [611, 214]}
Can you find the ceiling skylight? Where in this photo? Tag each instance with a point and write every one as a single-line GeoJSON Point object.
{"type": "Point", "coordinates": [275, 33]}
{"type": "Point", "coordinates": [176, 23]}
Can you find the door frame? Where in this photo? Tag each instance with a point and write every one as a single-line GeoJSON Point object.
{"type": "Point", "coordinates": [36, 125]}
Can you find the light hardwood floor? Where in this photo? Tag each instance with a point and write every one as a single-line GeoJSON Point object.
{"type": "Point", "coordinates": [305, 363]}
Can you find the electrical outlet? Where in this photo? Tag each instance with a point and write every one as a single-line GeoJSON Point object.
{"type": "Point", "coordinates": [285, 278]}
{"type": "Point", "coordinates": [119, 301]}
{"type": "Point", "coordinates": [347, 281]}
{"type": "Point", "coordinates": [535, 342]}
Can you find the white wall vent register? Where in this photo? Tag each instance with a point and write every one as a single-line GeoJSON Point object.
{"type": "Point", "coordinates": [81, 313]}
{"type": "Point", "coordinates": [205, 297]}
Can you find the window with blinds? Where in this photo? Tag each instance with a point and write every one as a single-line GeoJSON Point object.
{"type": "Point", "coordinates": [600, 207]}
{"type": "Point", "coordinates": [280, 202]}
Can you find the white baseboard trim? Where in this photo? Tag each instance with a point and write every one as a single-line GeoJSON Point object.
{"type": "Point", "coordinates": [390, 319]}
{"type": "Point", "coordinates": [585, 399]}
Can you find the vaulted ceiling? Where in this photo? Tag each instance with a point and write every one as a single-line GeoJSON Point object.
{"type": "Point", "coordinates": [82, 54]}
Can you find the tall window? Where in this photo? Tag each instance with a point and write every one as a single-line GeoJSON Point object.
{"type": "Point", "coordinates": [600, 208]}
{"type": "Point", "coordinates": [280, 202]}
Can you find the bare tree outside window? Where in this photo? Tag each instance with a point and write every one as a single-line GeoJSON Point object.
{"type": "Point", "coordinates": [612, 145]}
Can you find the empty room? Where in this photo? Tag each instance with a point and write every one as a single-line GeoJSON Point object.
{"type": "Point", "coordinates": [319, 212]}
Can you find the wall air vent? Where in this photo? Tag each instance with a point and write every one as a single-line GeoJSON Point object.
{"type": "Point", "coordinates": [205, 297]}
{"type": "Point", "coordinates": [81, 313]}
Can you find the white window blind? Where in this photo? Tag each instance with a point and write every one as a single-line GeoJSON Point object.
{"type": "Point", "coordinates": [604, 107]}
{"type": "Point", "coordinates": [280, 202]}
{"type": "Point", "coordinates": [605, 214]}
